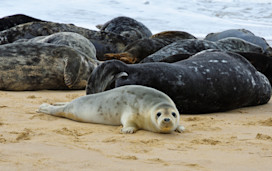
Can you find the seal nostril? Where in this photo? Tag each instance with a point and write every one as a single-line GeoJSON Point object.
{"type": "Point", "coordinates": [166, 119]}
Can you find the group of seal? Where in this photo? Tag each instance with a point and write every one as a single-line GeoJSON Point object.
{"type": "Point", "coordinates": [138, 50]}
{"type": "Point", "coordinates": [168, 73]}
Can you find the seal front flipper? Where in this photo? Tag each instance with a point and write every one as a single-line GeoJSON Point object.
{"type": "Point", "coordinates": [180, 129]}
{"type": "Point", "coordinates": [72, 65]}
{"type": "Point", "coordinates": [128, 130]}
{"type": "Point", "coordinates": [71, 70]}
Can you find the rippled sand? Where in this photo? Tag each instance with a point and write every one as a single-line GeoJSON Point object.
{"type": "Point", "coordinates": [236, 140]}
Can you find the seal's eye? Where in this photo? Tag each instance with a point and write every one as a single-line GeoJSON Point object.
{"type": "Point", "coordinates": [174, 114]}
{"type": "Point", "coordinates": [158, 114]}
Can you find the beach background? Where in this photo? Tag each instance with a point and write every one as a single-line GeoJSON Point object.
{"type": "Point", "coordinates": [240, 139]}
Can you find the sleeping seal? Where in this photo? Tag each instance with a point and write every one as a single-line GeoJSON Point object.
{"type": "Point", "coordinates": [210, 81]}
{"type": "Point", "coordinates": [73, 40]}
{"type": "Point", "coordinates": [104, 42]}
{"type": "Point", "coordinates": [37, 66]}
{"type": "Point", "coordinates": [242, 34]}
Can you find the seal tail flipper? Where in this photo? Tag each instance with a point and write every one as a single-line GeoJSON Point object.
{"type": "Point", "coordinates": [50, 109]}
{"type": "Point", "coordinates": [105, 76]}
{"type": "Point", "coordinates": [125, 57]}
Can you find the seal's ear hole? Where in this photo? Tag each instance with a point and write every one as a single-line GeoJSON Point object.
{"type": "Point", "coordinates": [174, 114]}
{"type": "Point", "coordinates": [158, 114]}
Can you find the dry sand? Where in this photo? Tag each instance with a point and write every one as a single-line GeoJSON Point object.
{"type": "Point", "coordinates": [235, 140]}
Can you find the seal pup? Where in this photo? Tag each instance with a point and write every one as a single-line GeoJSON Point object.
{"type": "Point", "coordinates": [242, 34]}
{"type": "Point", "coordinates": [138, 50]}
{"type": "Point", "coordinates": [134, 107]}
{"type": "Point", "coordinates": [190, 47]}
{"type": "Point", "coordinates": [104, 42]}
{"type": "Point", "coordinates": [14, 20]}
{"type": "Point", "coordinates": [209, 81]}
{"type": "Point", "coordinates": [74, 40]}
{"type": "Point", "coordinates": [38, 66]}
{"type": "Point", "coordinates": [127, 27]}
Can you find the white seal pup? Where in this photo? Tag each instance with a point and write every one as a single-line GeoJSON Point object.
{"type": "Point", "coordinates": [133, 106]}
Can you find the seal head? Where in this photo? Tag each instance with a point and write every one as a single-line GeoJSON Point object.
{"type": "Point", "coordinates": [165, 117]}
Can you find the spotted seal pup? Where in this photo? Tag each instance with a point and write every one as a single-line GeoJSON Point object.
{"type": "Point", "coordinates": [134, 107]}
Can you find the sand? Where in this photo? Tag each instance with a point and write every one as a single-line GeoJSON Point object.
{"type": "Point", "coordinates": [240, 139]}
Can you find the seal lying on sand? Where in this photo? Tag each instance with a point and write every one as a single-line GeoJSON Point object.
{"type": "Point", "coordinates": [104, 42]}
{"type": "Point", "coordinates": [73, 40]}
{"type": "Point", "coordinates": [210, 81]}
{"type": "Point", "coordinates": [134, 107]}
{"type": "Point", "coordinates": [242, 34]}
{"type": "Point", "coordinates": [28, 66]}
{"type": "Point", "coordinates": [126, 27]}
{"type": "Point", "coordinates": [138, 50]}
{"type": "Point", "coordinates": [14, 20]}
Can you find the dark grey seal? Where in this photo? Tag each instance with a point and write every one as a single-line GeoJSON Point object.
{"type": "Point", "coordinates": [210, 81]}
{"type": "Point", "coordinates": [190, 47]}
{"type": "Point", "coordinates": [138, 50]}
{"type": "Point", "coordinates": [104, 42]}
{"type": "Point", "coordinates": [242, 34]}
{"type": "Point", "coordinates": [127, 27]}
{"type": "Point", "coordinates": [37, 66]}
{"type": "Point", "coordinates": [73, 40]}
{"type": "Point", "coordinates": [14, 20]}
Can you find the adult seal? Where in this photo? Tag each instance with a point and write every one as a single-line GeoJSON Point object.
{"type": "Point", "coordinates": [38, 66]}
{"type": "Point", "coordinates": [104, 42]}
{"type": "Point", "coordinates": [210, 81]}
{"type": "Point", "coordinates": [127, 27]}
{"type": "Point", "coordinates": [138, 50]}
{"type": "Point", "coordinates": [14, 20]}
{"type": "Point", "coordinates": [183, 49]}
{"type": "Point", "coordinates": [242, 34]}
{"type": "Point", "coordinates": [134, 107]}
{"type": "Point", "coordinates": [73, 40]}
{"type": "Point", "coordinates": [189, 47]}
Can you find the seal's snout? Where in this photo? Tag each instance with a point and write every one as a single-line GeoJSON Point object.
{"type": "Point", "coordinates": [166, 120]}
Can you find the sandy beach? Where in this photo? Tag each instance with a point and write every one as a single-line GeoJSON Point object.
{"type": "Point", "coordinates": [240, 139]}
